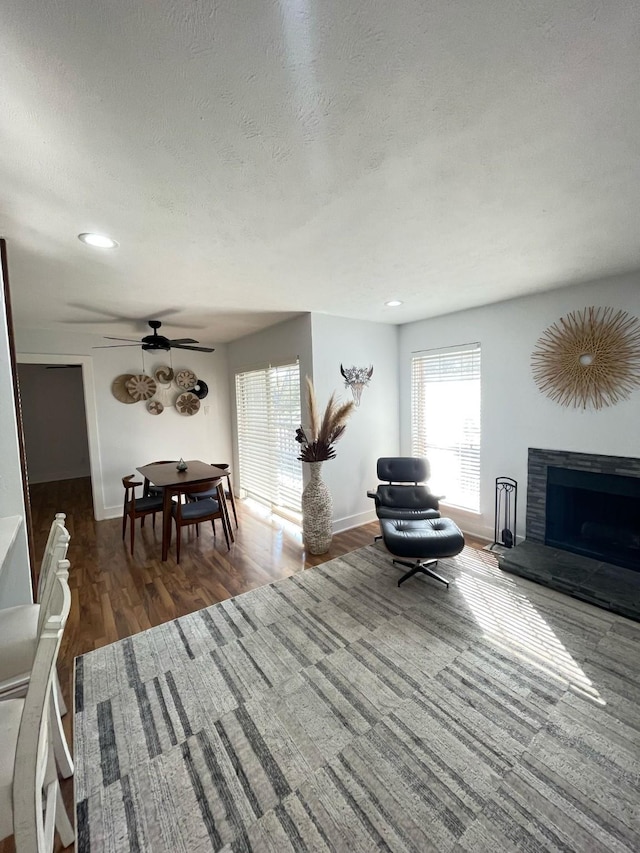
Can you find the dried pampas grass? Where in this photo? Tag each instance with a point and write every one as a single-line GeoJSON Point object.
{"type": "Point", "coordinates": [317, 441]}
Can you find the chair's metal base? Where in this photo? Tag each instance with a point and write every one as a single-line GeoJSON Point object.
{"type": "Point", "coordinates": [420, 566]}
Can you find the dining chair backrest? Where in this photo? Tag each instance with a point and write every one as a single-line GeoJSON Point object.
{"type": "Point", "coordinates": [34, 763]}
{"type": "Point", "coordinates": [147, 504]}
{"type": "Point", "coordinates": [55, 550]}
{"type": "Point", "coordinates": [130, 485]}
{"type": "Point", "coordinates": [194, 489]}
{"type": "Point", "coordinates": [58, 521]}
{"type": "Point", "coordinates": [206, 509]}
{"type": "Point", "coordinates": [136, 506]}
{"type": "Point", "coordinates": [224, 466]}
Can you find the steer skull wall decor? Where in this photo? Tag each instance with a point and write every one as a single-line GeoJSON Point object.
{"type": "Point", "coordinates": [356, 378]}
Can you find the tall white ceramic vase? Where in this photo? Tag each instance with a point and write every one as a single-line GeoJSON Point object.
{"type": "Point", "coordinates": [317, 512]}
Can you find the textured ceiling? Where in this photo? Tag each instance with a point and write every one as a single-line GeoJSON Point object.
{"type": "Point", "coordinates": [256, 159]}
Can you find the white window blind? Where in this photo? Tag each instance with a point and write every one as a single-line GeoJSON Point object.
{"type": "Point", "coordinates": [268, 404]}
{"type": "Point", "coordinates": [445, 420]}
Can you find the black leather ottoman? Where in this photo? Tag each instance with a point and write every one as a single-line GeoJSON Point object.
{"type": "Point", "coordinates": [423, 541]}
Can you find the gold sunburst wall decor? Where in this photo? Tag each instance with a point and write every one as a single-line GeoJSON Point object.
{"type": "Point", "coordinates": [589, 358]}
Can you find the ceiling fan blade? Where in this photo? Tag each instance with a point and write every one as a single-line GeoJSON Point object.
{"type": "Point", "coordinates": [109, 338]}
{"type": "Point", "coordinates": [195, 349]}
{"type": "Point", "coordinates": [110, 317]}
{"type": "Point", "coordinates": [115, 346]}
{"type": "Point", "coordinates": [174, 341]}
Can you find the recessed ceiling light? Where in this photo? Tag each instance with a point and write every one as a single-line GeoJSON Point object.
{"type": "Point", "coordinates": [393, 303]}
{"type": "Point", "coordinates": [98, 241]}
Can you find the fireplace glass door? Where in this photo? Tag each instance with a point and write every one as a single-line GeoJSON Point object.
{"type": "Point", "coordinates": [597, 515]}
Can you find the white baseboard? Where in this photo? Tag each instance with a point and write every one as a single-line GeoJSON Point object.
{"type": "Point", "coordinates": [110, 512]}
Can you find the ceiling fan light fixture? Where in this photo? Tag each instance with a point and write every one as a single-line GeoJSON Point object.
{"type": "Point", "coordinates": [97, 241]}
{"type": "Point", "coordinates": [155, 342]}
{"type": "Point", "coordinates": [159, 343]}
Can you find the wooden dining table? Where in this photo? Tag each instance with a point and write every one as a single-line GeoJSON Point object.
{"type": "Point", "coordinates": [166, 476]}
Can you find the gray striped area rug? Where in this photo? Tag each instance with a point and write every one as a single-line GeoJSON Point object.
{"type": "Point", "coordinates": [334, 711]}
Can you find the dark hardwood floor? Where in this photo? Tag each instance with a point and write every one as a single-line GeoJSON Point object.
{"type": "Point", "coordinates": [115, 595]}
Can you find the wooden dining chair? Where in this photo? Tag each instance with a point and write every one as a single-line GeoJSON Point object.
{"type": "Point", "coordinates": [228, 492]}
{"type": "Point", "coordinates": [31, 805]}
{"type": "Point", "coordinates": [137, 507]}
{"type": "Point", "coordinates": [198, 511]}
{"type": "Point", "coordinates": [212, 493]}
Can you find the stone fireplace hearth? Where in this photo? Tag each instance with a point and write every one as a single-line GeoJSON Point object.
{"type": "Point", "coordinates": [583, 528]}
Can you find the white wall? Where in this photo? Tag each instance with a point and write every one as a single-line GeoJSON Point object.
{"type": "Point", "coordinates": [373, 429]}
{"type": "Point", "coordinates": [127, 435]}
{"type": "Point", "coordinates": [54, 422]}
{"type": "Point", "coordinates": [278, 344]}
{"type": "Point", "coordinates": [15, 575]}
{"type": "Point", "coordinates": [515, 415]}
{"type": "Point", "coordinates": [275, 345]}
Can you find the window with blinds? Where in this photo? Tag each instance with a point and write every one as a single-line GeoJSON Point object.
{"type": "Point", "coordinates": [445, 420]}
{"type": "Point", "coordinates": [268, 405]}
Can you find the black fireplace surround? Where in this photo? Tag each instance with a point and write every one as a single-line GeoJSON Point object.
{"type": "Point", "coordinates": [583, 528]}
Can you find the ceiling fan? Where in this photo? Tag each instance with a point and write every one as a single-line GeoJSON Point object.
{"type": "Point", "coordinates": [155, 342]}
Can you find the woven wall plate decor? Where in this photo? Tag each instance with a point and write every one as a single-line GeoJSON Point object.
{"type": "Point", "coordinates": [187, 404]}
{"type": "Point", "coordinates": [155, 407]}
{"type": "Point", "coordinates": [589, 358]}
{"type": "Point", "coordinates": [141, 387]}
{"type": "Point", "coordinates": [163, 375]}
{"type": "Point", "coordinates": [119, 388]}
{"type": "Point", "coordinates": [186, 379]}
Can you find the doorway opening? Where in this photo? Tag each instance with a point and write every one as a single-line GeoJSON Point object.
{"type": "Point", "coordinates": [57, 410]}
{"type": "Point", "coordinates": [55, 426]}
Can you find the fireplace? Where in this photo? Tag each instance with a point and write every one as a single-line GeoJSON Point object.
{"type": "Point", "coordinates": [583, 528]}
{"type": "Point", "coordinates": [594, 514]}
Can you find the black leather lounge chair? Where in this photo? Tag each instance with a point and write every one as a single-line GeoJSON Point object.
{"type": "Point", "coordinates": [410, 522]}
